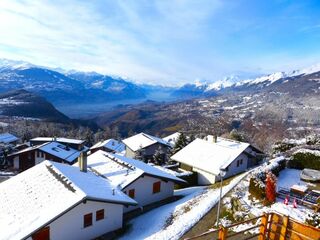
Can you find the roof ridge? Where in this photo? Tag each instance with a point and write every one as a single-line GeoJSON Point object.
{"type": "Point", "coordinates": [75, 186]}
{"type": "Point", "coordinates": [61, 178]}
{"type": "Point", "coordinates": [121, 162]}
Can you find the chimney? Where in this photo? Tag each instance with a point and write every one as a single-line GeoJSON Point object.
{"type": "Point", "coordinates": [82, 160]}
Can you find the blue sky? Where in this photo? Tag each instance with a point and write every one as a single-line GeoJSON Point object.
{"type": "Point", "coordinates": [166, 41]}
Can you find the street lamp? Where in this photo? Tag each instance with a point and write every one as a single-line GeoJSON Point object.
{"type": "Point", "coordinates": [222, 173]}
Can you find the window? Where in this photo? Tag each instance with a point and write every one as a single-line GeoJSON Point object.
{"type": "Point", "coordinates": [131, 193]}
{"type": "Point", "coordinates": [42, 234]}
{"type": "Point", "coordinates": [237, 163]}
{"type": "Point", "coordinates": [241, 161]}
{"type": "Point", "coordinates": [156, 187]}
{"type": "Point", "coordinates": [100, 214]}
{"type": "Point", "coordinates": [38, 154]}
{"type": "Point", "coordinates": [87, 220]}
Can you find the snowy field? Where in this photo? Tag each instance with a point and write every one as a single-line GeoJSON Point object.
{"type": "Point", "coordinates": [172, 220]}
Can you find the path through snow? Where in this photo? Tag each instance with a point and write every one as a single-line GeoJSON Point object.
{"type": "Point", "coordinates": [172, 220]}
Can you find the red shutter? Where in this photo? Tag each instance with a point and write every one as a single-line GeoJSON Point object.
{"type": "Point", "coordinates": [156, 187]}
{"type": "Point", "coordinates": [87, 220]}
{"type": "Point", "coordinates": [42, 234]}
{"type": "Point", "coordinates": [100, 214]}
{"type": "Point", "coordinates": [131, 193]}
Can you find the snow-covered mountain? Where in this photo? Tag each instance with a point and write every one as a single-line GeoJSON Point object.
{"type": "Point", "coordinates": [63, 87]}
{"type": "Point", "coordinates": [21, 103]}
{"type": "Point", "coordinates": [273, 82]}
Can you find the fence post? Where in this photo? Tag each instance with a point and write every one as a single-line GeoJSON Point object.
{"type": "Point", "coordinates": [223, 233]}
{"type": "Point", "coordinates": [263, 227]}
{"type": "Point", "coordinates": [283, 231]}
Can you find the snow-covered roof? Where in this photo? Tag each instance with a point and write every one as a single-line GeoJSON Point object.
{"type": "Point", "coordinates": [142, 140]}
{"type": "Point", "coordinates": [172, 139]}
{"type": "Point", "coordinates": [61, 151]}
{"type": "Point", "coordinates": [111, 144]}
{"type": "Point", "coordinates": [122, 170]}
{"type": "Point", "coordinates": [63, 140]}
{"type": "Point", "coordinates": [36, 196]}
{"type": "Point", "coordinates": [210, 156]}
{"type": "Point", "coordinates": [56, 149]}
{"type": "Point", "coordinates": [7, 138]}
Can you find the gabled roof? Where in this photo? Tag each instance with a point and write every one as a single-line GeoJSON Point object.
{"type": "Point", "coordinates": [111, 144]}
{"type": "Point", "coordinates": [122, 170]}
{"type": "Point", "coordinates": [143, 140]}
{"type": "Point", "coordinates": [56, 149]}
{"type": "Point", "coordinates": [8, 138]}
{"type": "Point", "coordinates": [210, 156]}
{"type": "Point", "coordinates": [62, 140]}
{"type": "Point", "coordinates": [172, 139]}
{"type": "Point", "coordinates": [59, 150]}
{"type": "Point", "coordinates": [35, 197]}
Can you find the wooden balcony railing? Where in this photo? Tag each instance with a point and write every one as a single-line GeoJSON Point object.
{"type": "Point", "coordinates": [271, 226]}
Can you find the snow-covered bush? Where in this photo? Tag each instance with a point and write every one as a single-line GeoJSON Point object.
{"type": "Point", "coordinates": [305, 158]}
{"type": "Point", "coordinates": [313, 139]}
{"type": "Point", "coordinates": [313, 219]}
{"type": "Point", "coordinates": [280, 147]}
{"type": "Point", "coordinates": [257, 188]}
{"type": "Point", "coordinates": [258, 177]}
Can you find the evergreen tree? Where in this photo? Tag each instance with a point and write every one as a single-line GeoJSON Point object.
{"type": "Point", "coordinates": [159, 156]}
{"type": "Point", "coordinates": [181, 142]}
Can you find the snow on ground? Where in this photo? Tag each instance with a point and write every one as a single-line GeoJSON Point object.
{"type": "Point", "coordinates": [289, 177]}
{"type": "Point", "coordinates": [286, 179]}
{"type": "Point", "coordinates": [6, 173]}
{"type": "Point", "coordinates": [172, 220]}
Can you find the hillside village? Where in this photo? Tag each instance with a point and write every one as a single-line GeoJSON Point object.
{"type": "Point", "coordinates": [111, 189]}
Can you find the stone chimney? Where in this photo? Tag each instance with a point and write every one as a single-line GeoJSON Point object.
{"type": "Point", "coordinates": [212, 138]}
{"type": "Point", "coordinates": [82, 160]}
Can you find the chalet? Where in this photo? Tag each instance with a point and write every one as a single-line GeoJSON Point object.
{"type": "Point", "coordinates": [172, 139]}
{"type": "Point", "coordinates": [73, 143]}
{"type": "Point", "coordinates": [57, 201]}
{"type": "Point", "coordinates": [207, 157]}
{"type": "Point", "coordinates": [145, 146]}
{"type": "Point", "coordinates": [8, 138]}
{"type": "Point", "coordinates": [36, 154]}
{"type": "Point", "coordinates": [140, 181]}
{"type": "Point", "coordinates": [109, 145]}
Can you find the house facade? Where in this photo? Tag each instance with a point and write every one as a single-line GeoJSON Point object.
{"type": "Point", "coordinates": [147, 190]}
{"type": "Point", "coordinates": [207, 157]}
{"type": "Point", "coordinates": [109, 145]}
{"type": "Point", "coordinates": [50, 197]}
{"type": "Point", "coordinates": [54, 151]}
{"type": "Point", "coordinates": [85, 221]}
{"type": "Point", "coordinates": [142, 182]}
{"type": "Point", "coordinates": [145, 146]}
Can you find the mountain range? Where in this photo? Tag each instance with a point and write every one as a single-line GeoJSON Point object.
{"type": "Point", "coordinates": [65, 87]}
{"type": "Point", "coordinates": [286, 82]}
{"type": "Point", "coordinates": [73, 87]}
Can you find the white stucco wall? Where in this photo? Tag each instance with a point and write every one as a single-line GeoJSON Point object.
{"type": "Point", "coordinates": [205, 178]}
{"type": "Point", "coordinates": [233, 169]}
{"type": "Point", "coordinates": [70, 225]}
{"type": "Point", "coordinates": [39, 159]}
{"type": "Point", "coordinates": [16, 164]}
{"type": "Point", "coordinates": [144, 191]}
